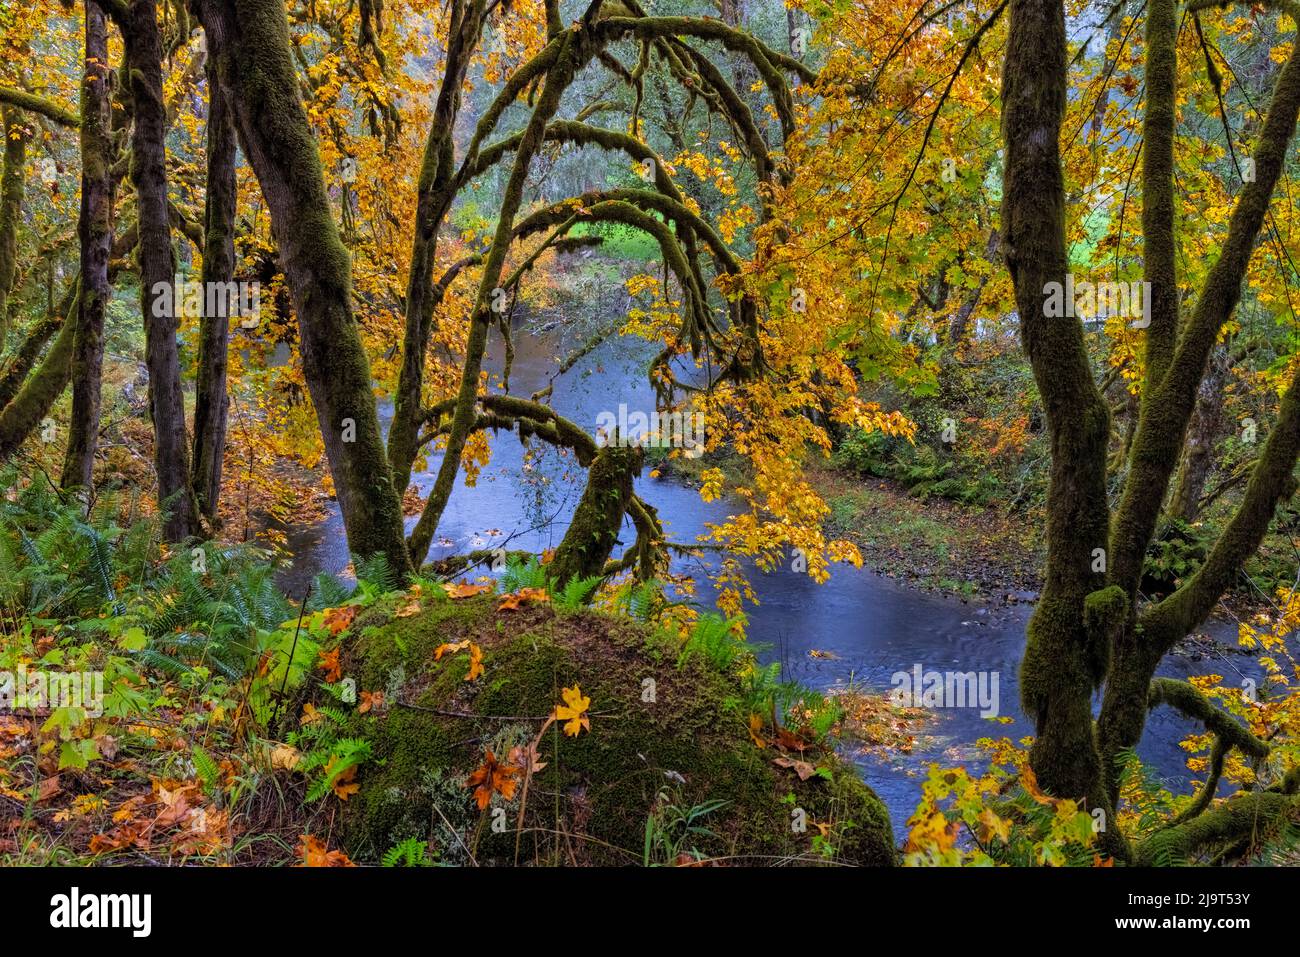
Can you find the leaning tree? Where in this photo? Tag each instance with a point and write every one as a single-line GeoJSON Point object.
{"type": "Point", "coordinates": [255, 71]}
{"type": "Point", "coordinates": [1091, 629]}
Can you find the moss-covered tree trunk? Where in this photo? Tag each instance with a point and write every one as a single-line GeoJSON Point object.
{"type": "Point", "coordinates": [16, 134]}
{"type": "Point", "coordinates": [211, 403]}
{"type": "Point", "coordinates": [436, 190]}
{"type": "Point", "coordinates": [574, 49]}
{"type": "Point", "coordinates": [156, 264]}
{"type": "Point", "coordinates": [249, 40]}
{"type": "Point", "coordinates": [593, 532]}
{"type": "Point", "coordinates": [95, 236]}
{"type": "Point", "coordinates": [1064, 658]}
{"type": "Point", "coordinates": [1169, 397]}
{"type": "Point", "coordinates": [39, 391]}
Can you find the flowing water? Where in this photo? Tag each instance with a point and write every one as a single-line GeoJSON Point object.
{"type": "Point", "coordinates": [872, 625]}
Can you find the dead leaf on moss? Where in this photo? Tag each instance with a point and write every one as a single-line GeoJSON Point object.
{"type": "Point", "coordinates": [801, 768]}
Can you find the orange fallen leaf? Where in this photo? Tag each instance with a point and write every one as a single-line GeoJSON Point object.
{"type": "Point", "coordinates": [493, 777]}
{"type": "Point", "coordinates": [369, 700]}
{"type": "Point", "coordinates": [447, 648]}
{"type": "Point", "coordinates": [475, 656]}
{"type": "Point", "coordinates": [48, 788]}
{"type": "Point", "coordinates": [339, 619]}
{"type": "Point", "coordinates": [465, 590]}
{"type": "Point", "coordinates": [314, 853]}
{"type": "Point", "coordinates": [1030, 781]}
{"type": "Point", "coordinates": [408, 610]}
{"type": "Point", "coordinates": [515, 599]}
{"type": "Point", "coordinates": [285, 757]}
{"type": "Point", "coordinates": [755, 726]}
{"type": "Point", "coordinates": [329, 663]}
{"type": "Point", "coordinates": [791, 741]}
{"type": "Point", "coordinates": [344, 786]}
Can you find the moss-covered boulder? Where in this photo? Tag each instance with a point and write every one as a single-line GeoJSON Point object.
{"type": "Point", "coordinates": [664, 739]}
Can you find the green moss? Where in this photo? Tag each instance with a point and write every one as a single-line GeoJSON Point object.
{"type": "Point", "coordinates": [684, 747]}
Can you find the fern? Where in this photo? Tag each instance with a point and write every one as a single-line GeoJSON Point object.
{"type": "Point", "coordinates": [206, 768]}
{"type": "Point", "coordinates": [376, 571]}
{"type": "Point", "coordinates": [520, 574]}
{"type": "Point", "coordinates": [411, 852]}
{"type": "Point", "coordinates": [714, 639]}
{"type": "Point", "coordinates": [576, 593]}
{"type": "Point", "coordinates": [642, 600]}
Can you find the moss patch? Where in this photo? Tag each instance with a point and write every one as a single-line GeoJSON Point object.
{"type": "Point", "coordinates": [591, 802]}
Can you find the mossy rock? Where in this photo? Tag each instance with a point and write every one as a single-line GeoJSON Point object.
{"type": "Point", "coordinates": [591, 802]}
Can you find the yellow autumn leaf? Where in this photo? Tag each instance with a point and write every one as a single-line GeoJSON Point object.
{"type": "Point", "coordinates": [573, 711]}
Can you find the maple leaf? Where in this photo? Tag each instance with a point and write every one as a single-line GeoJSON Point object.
{"type": "Point", "coordinates": [314, 853]}
{"type": "Point", "coordinates": [572, 712]}
{"type": "Point", "coordinates": [801, 768]}
{"type": "Point", "coordinates": [329, 663]}
{"type": "Point", "coordinates": [475, 656]}
{"type": "Point", "coordinates": [176, 802]}
{"type": "Point", "coordinates": [755, 726]}
{"type": "Point", "coordinates": [338, 620]}
{"type": "Point", "coordinates": [408, 610]}
{"type": "Point", "coordinates": [465, 590]}
{"type": "Point", "coordinates": [791, 741]}
{"type": "Point", "coordinates": [48, 788]}
{"type": "Point", "coordinates": [991, 825]}
{"type": "Point", "coordinates": [515, 599]}
{"type": "Point", "coordinates": [526, 757]}
{"type": "Point", "coordinates": [128, 810]}
{"type": "Point", "coordinates": [493, 777]}
{"type": "Point", "coordinates": [285, 757]}
{"type": "Point", "coordinates": [449, 648]}
{"type": "Point", "coordinates": [1030, 781]}
{"type": "Point", "coordinates": [344, 785]}
{"type": "Point", "coordinates": [371, 699]}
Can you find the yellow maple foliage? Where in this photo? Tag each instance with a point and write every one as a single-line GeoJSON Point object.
{"type": "Point", "coordinates": [573, 711]}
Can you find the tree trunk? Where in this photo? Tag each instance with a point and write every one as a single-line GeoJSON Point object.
{"type": "Point", "coordinates": [436, 191]}
{"type": "Point", "coordinates": [95, 233]}
{"type": "Point", "coordinates": [1198, 455]}
{"type": "Point", "coordinates": [574, 52]}
{"type": "Point", "coordinates": [38, 394]}
{"type": "Point", "coordinates": [249, 40]}
{"type": "Point", "coordinates": [211, 401]}
{"type": "Point", "coordinates": [16, 135]}
{"type": "Point", "coordinates": [162, 356]}
{"type": "Point", "coordinates": [593, 532]}
{"type": "Point", "coordinates": [1064, 658]}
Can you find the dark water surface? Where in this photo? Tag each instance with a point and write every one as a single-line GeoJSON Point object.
{"type": "Point", "coordinates": [873, 625]}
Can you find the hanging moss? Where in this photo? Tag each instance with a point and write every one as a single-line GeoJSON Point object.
{"type": "Point", "coordinates": [598, 789]}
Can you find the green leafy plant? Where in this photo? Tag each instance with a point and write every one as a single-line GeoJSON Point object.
{"type": "Point", "coordinates": [671, 830]}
